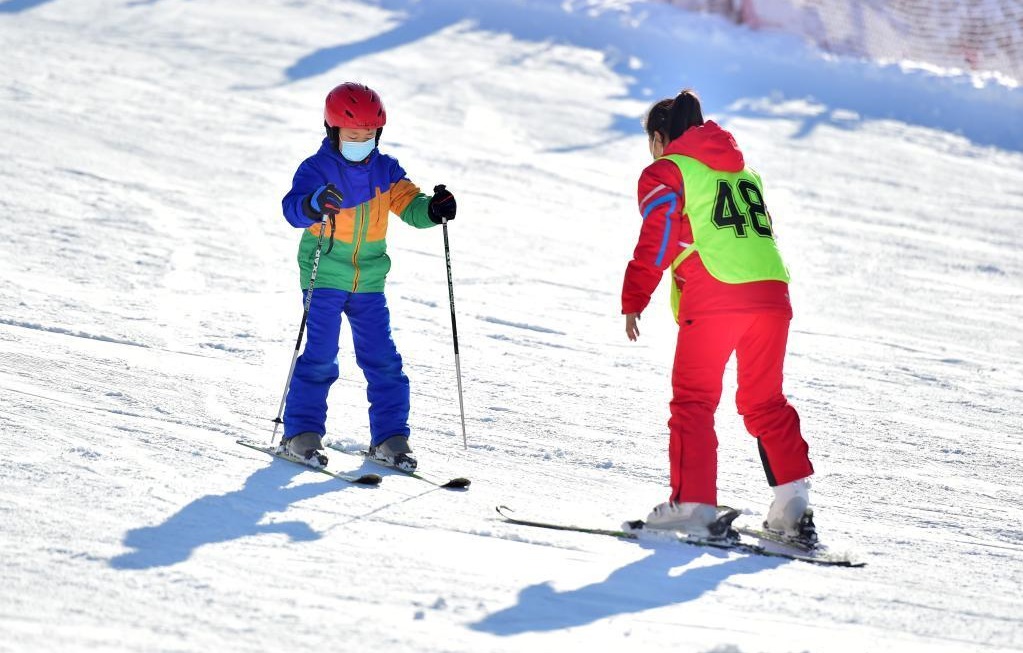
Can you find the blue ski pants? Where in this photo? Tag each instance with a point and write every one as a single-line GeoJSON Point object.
{"type": "Point", "coordinates": [375, 353]}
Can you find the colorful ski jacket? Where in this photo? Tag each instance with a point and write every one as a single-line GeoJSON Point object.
{"type": "Point", "coordinates": [667, 230]}
{"type": "Point", "coordinates": [353, 256]}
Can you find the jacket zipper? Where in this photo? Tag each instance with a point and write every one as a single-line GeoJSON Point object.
{"type": "Point", "coordinates": [359, 219]}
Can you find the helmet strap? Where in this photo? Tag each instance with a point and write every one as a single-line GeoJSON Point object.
{"type": "Point", "coordinates": [334, 134]}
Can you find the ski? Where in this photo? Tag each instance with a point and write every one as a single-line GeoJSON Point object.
{"type": "Point", "coordinates": [362, 479]}
{"type": "Point", "coordinates": [456, 483]}
{"type": "Point", "coordinates": [630, 533]}
{"type": "Point", "coordinates": [732, 543]}
{"type": "Point", "coordinates": [619, 533]}
{"type": "Point", "coordinates": [803, 544]}
{"type": "Point", "coordinates": [777, 538]}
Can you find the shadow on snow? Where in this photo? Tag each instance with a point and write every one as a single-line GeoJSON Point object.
{"type": "Point", "coordinates": [729, 66]}
{"type": "Point", "coordinates": [225, 517]}
{"type": "Point", "coordinates": [642, 585]}
{"type": "Point", "coordinates": [18, 6]}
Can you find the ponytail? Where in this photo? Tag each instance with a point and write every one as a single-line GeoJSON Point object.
{"type": "Point", "coordinates": [685, 113]}
{"type": "Point", "coordinates": [672, 117]}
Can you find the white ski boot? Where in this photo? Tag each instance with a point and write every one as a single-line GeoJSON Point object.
{"type": "Point", "coordinates": [790, 513]}
{"type": "Point", "coordinates": [693, 519]}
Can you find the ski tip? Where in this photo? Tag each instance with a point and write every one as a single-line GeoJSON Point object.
{"type": "Point", "coordinates": [505, 512]}
{"type": "Point", "coordinates": [369, 479]}
{"type": "Point", "coordinates": [457, 484]}
{"type": "Point", "coordinates": [826, 561]}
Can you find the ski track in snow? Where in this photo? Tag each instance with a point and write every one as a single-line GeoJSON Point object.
{"type": "Point", "coordinates": [150, 311]}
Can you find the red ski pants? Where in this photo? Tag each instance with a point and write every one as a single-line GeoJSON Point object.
{"type": "Point", "coordinates": [704, 347]}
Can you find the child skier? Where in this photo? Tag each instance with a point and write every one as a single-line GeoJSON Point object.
{"type": "Point", "coordinates": [356, 186]}
{"type": "Point", "coordinates": [704, 216]}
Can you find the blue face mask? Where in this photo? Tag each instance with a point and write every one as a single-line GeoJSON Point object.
{"type": "Point", "coordinates": [355, 151]}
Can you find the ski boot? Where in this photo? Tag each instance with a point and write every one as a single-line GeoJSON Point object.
{"type": "Point", "coordinates": [700, 520]}
{"type": "Point", "coordinates": [306, 447]}
{"type": "Point", "coordinates": [394, 452]}
{"type": "Point", "coordinates": [790, 514]}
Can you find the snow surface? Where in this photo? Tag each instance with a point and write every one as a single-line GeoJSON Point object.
{"type": "Point", "coordinates": [150, 308]}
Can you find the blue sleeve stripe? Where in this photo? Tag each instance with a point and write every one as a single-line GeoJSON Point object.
{"type": "Point", "coordinates": [314, 201]}
{"type": "Point", "coordinates": [670, 197]}
{"type": "Point", "coordinates": [667, 230]}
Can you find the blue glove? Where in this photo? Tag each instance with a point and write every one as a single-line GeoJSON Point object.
{"type": "Point", "coordinates": [325, 199]}
{"type": "Point", "coordinates": [442, 205]}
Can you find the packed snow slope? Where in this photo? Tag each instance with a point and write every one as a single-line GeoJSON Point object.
{"type": "Point", "coordinates": [150, 306]}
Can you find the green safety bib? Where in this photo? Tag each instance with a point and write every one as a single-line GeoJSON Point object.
{"type": "Point", "coordinates": [731, 226]}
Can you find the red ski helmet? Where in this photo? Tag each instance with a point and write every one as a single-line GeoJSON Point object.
{"type": "Point", "coordinates": [355, 106]}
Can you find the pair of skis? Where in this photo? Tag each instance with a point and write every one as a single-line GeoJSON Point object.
{"type": "Point", "coordinates": [456, 483]}
{"type": "Point", "coordinates": [734, 538]}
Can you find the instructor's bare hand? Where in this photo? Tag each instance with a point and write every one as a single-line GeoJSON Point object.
{"type": "Point", "coordinates": [631, 326]}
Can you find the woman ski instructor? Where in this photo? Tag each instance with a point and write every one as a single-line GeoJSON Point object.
{"type": "Point", "coordinates": [704, 216]}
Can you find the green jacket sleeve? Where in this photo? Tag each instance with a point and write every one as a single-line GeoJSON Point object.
{"type": "Point", "coordinates": [417, 212]}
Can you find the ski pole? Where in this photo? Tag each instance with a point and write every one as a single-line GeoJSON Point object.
{"type": "Point", "coordinates": [454, 327]}
{"type": "Point", "coordinates": [301, 327]}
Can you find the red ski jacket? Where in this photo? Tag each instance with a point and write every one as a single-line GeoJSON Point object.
{"type": "Point", "coordinates": [666, 232]}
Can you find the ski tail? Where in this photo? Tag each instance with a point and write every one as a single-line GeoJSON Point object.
{"type": "Point", "coordinates": [626, 534]}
